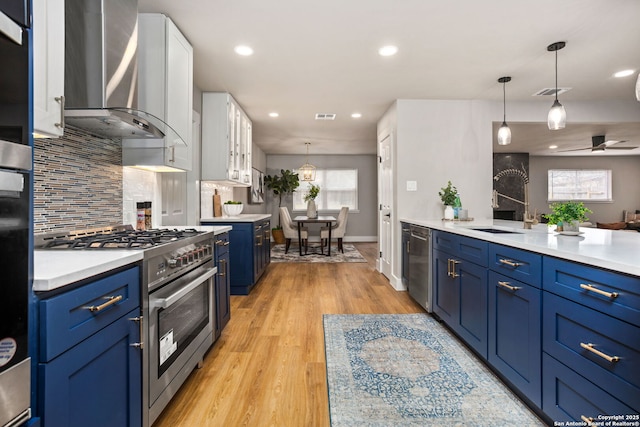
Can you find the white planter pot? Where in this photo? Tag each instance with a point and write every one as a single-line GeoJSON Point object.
{"type": "Point", "coordinates": [448, 212]}
{"type": "Point", "coordinates": [232, 210]}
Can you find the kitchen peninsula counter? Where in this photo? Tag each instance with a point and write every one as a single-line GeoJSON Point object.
{"type": "Point", "coordinates": [239, 218]}
{"type": "Point", "coordinates": [55, 268]}
{"type": "Point", "coordinates": [615, 250]}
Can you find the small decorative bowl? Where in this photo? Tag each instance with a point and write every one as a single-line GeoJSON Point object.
{"type": "Point", "coordinates": [232, 210]}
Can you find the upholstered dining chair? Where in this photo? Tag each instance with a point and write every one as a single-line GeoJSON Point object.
{"type": "Point", "coordinates": [337, 231]}
{"type": "Point", "coordinates": [290, 230]}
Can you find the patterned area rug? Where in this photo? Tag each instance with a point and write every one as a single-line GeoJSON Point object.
{"type": "Point", "coordinates": [350, 254]}
{"type": "Point", "coordinates": [408, 370]}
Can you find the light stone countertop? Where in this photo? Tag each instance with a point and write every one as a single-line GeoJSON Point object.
{"type": "Point", "coordinates": [239, 218]}
{"type": "Point", "coordinates": [55, 268]}
{"type": "Point", "coordinates": [615, 250]}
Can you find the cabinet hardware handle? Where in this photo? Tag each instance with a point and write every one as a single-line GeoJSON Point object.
{"type": "Point", "coordinates": [511, 263]}
{"type": "Point", "coordinates": [219, 242]}
{"type": "Point", "coordinates": [508, 286]}
{"type": "Point", "coordinates": [591, 348]}
{"type": "Point", "coordinates": [259, 240]}
{"type": "Point", "coordinates": [226, 243]}
{"type": "Point", "coordinates": [592, 288]}
{"type": "Point", "coordinates": [452, 268]}
{"type": "Point", "coordinates": [112, 300]}
{"type": "Point", "coordinates": [587, 420]}
{"type": "Point", "coordinates": [408, 247]}
{"type": "Point", "coordinates": [60, 99]}
{"type": "Point", "coordinates": [223, 262]}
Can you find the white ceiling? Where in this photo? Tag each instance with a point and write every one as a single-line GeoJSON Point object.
{"type": "Point", "coordinates": [321, 57]}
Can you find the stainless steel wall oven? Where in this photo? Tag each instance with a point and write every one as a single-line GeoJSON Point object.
{"type": "Point", "coordinates": [15, 210]}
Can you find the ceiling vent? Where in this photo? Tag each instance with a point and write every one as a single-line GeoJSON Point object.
{"type": "Point", "coordinates": [551, 91]}
{"type": "Point", "coordinates": [325, 116]}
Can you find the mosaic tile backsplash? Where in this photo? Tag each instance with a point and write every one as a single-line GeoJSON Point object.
{"type": "Point", "coordinates": [77, 182]}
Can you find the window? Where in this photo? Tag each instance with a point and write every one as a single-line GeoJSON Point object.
{"type": "Point", "coordinates": [583, 184]}
{"type": "Point", "coordinates": [338, 188]}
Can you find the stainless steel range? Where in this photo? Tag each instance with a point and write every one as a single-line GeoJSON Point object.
{"type": "Point", "coordinates": [178, 304]}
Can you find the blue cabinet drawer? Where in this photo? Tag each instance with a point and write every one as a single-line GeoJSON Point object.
{"type": "Point", "coordinates": [568, 396]}
{"type": "Point", "coordinates": [569, 327]}
{"type": "Point", "coordinates": [71, 317]}
{"type": "Point", "coordinates": [612, 293]}
{"type": "Point", "coordinates": [516, 263]}
{"type": "Point", "coordinates": [221, 242]}
{"type": "Point", "coordinates": [463, 247]}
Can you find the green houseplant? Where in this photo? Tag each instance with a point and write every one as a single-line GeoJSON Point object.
{"type": "Point", "coordinates": [281, 185]}
{"type": "Point", "coordinates": [310, 198]}
{"type": "Point", "coordinates": [448, 195]}
{"type": "Point", "coordinates": [566, 214]}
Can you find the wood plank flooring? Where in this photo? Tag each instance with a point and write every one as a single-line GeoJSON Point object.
{"type": "Point", "coordinates": [268, 367]}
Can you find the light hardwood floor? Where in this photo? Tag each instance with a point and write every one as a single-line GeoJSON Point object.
{"type": "Point", "coordinates": [268, 367]}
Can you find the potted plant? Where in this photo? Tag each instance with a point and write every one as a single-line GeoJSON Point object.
{"type": "Point", "coordinates": [232, 208]}
{"type": "Point", "coordinates": [448, 196]}
{"type": "Point", "coordinates": [310, 198]}
{"type": "Point", "coordinates": [567, 215]}
{"type": "Point", "coordinates": [281, 185]}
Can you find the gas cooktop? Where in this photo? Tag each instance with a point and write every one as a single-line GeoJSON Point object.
{"type": "Point", "coordinates": [114, 237]}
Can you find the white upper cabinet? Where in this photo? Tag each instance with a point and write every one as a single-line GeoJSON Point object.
{"type": "Point", "coordinates": [48, 68]}
{"type": "Point", "coordinates": [165, 79]}
{"type": "Point", "coordinates": [226, 140]}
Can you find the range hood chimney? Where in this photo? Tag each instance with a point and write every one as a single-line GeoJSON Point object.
{"type": "Point", "coordinates": [101, 71]}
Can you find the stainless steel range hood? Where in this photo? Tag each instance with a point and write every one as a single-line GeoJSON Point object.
{"type": "Point", "coordinates": [101, 71]}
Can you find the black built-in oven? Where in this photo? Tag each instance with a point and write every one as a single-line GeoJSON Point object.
{"type": "Point", "coordinates": [15, 209]}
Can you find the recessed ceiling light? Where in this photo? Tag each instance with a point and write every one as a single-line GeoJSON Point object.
{"type": "Point", "coordinates": [243, 50]}
{"type": "Point", "coordinates": [273, 114]}
{"type": "Point", "coordinates": [553, 147]}
{"type": "Point", "coordinates": [624, 73]}
{"type": "Point", "coordinates": [356, 115]}
{"type": "Point", "coordinates": [389, 50]}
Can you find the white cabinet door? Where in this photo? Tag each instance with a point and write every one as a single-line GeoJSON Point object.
{"type": "Point", "coordinates": [48, 68]}
{"type": "Point", "coordinates": [226, 140]}
{"type": "Point", "coordinates": [179, 101]}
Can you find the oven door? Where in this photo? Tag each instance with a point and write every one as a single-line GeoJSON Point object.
{"type": "Point", "coordinates": [181, 320]}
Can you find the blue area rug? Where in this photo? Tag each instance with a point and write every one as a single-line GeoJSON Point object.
{"type": "Point", "coordinates": [408, 370]}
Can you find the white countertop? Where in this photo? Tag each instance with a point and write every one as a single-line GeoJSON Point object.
{"type": "Point", "coordinates": [616, 250]}
{"type": "Point", "coordinates": [53, 269]}
{"type": "Point", "coordinates": [239, 218]}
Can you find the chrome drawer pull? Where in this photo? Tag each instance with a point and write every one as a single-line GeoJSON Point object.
{"type": "Point", "coordinates": [219, 242]}
{"type": "Point", "coordinates": [451, 268]}
{"type": "Point", "coordinates": [508, 286]}
{"type": "Point", "coordinates": [599, 353]}
{"type": "Point", "coordinates": [226, 243]}
{"type": "Point", "coordinates": [60, 99]}
{"type": "Point", "coordinates": [112, 300]}
{"type": "Point", "coordinates": [511, 263]}
{"type": "Point", "coordinates": [592, 288]}
{"type": "Point", "coordinates": [587, 420]}
{"type": "Point", "coordinates": [223, 273]}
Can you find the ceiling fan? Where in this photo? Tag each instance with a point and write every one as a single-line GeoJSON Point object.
{"type": "Point", "coordinates": [600, 144]}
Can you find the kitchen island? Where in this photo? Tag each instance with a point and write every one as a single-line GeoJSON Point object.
{"type": "Point", "coordinates": [557, 317]}
{"type": "Point", "coordinates": [249, 248]}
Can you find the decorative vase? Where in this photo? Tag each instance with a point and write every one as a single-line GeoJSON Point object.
{"type": "Point", "coordinates": [571, 226]}
{"type": "Point", "coordinates": [312, 211]}
{"type": "Point", "coordinates": [448, 212]}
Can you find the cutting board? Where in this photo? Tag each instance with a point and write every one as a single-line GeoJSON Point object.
{"type": "Point", "coordinates": [217, 204]}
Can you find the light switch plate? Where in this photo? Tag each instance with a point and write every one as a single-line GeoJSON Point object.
{"type": "Point", "coordinates": [412, 186]}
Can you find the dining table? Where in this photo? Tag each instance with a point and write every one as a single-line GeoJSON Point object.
{"type": "Point", "coordinates": [326, 219]}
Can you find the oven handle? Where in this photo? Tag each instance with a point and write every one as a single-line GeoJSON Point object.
{"type": "Point", "coordinates": [174, 297]}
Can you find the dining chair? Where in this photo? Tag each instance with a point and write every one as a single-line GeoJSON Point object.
{"type": "Point", "coordinates": [290, 230]}
{"type": "Point", "coordinates": [337, 230]}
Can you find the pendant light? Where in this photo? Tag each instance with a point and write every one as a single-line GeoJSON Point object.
{"type": "Point", "coordinates": [557, 117]}
{"type": "Point", "coordinates": [638, 88]}
{"type": "Point", "coordinates": [504, 133]}
{"type": "Point", "coordinates": [308, 171]}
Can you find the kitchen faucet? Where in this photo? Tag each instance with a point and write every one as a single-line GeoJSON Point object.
{"type": "Point", "coordinates": [529, 220]}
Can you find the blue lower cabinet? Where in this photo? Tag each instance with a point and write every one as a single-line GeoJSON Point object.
{"type": "Point", "coordinates": [514, 334]}
{"type": "Point", "coordinates": [473, 317]}
{"type": "Point", "coordinates": [223, 283]}
{"type": "Point", "coordinates": [97, 382]}
{"type": "Point", "coordinates": [568, 396]}
{"type": "Point", "coordinates": [445, 288]}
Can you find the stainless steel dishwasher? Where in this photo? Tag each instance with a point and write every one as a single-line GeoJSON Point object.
{"type": "Point", "coordinates": [420, 266]}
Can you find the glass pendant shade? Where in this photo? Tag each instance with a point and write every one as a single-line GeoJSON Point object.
{"type": "Point", "coordinates": [638, 88]}
{"type": "Point", "coordinates": [504, 134]}
{"type": "Point", "coordinates": [557, 117]}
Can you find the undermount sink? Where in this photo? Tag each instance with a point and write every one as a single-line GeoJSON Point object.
{"type": "Point", "coordinates": [495, 231]}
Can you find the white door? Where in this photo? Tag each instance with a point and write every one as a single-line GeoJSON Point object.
{"type": "Point", "coordinates": [385, 208]}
